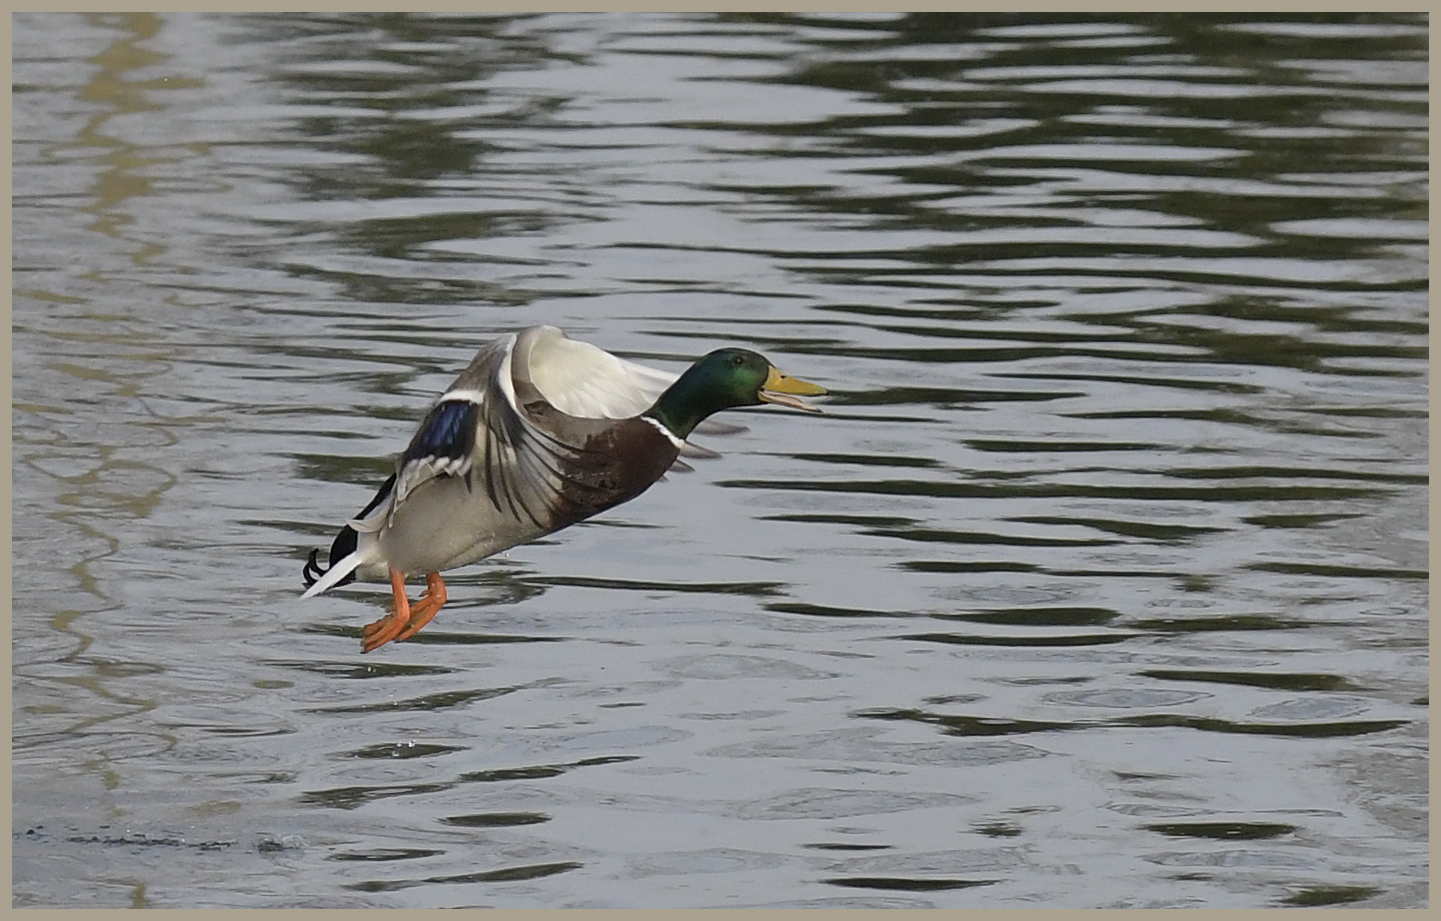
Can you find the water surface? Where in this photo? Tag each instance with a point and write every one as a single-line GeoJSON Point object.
{"type": "Point", "coordinates": [1101, 583]}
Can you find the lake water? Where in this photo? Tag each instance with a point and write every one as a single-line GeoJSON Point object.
{"type": "Point", "coordinates": [1102, 581]}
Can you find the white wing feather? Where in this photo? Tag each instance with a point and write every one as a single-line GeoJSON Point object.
{"type": "Point", "coordinates": [580, 379]}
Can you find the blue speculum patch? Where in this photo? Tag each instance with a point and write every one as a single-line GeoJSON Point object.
{"type": "Point", "coordinates": [448, 431]}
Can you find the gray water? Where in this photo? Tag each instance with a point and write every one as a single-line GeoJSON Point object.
{"type": "Point", "coordinates": [1101, 582]}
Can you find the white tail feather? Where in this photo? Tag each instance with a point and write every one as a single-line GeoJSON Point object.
{"type": "Point", "coordinates": [334, 574]}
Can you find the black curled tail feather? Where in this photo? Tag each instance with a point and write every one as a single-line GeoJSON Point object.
{"type": "Point", "coordinates": [344, 544]}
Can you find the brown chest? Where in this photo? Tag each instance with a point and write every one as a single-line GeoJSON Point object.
{"type": "Point", "coordinates": [604, 462]}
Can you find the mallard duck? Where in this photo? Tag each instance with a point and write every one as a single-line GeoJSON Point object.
{"type": "Point", "coordinates": [539, 432]}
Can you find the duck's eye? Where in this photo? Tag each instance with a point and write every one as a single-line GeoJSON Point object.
{"type": "Point", "coordinates": [738, 360]}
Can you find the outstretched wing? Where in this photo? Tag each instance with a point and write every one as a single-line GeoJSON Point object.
{"type": "Point", "coordinates": [481, 432]}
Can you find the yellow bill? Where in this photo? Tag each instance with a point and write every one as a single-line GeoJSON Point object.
{"type": "Point", "coordinates": [784, 390]}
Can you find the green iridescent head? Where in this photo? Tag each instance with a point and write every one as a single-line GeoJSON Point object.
{"type": "Point", "coordinates": [724, 379]}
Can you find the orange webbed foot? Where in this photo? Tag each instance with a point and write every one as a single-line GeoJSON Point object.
{"type": "Point", "coordinates": [382, 631]}
{"type": "Point", "coordinates": [404, 620]}
{"type": "Point", "coordinates": [430, 603]}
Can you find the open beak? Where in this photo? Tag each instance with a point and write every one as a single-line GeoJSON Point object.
{"type": "Point", "coordinates": [787, 391]}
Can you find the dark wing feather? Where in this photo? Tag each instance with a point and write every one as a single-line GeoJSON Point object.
{"type": "Point", "coordinates": [528, 470]}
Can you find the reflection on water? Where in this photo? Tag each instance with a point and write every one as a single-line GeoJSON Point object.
{"type": "Point", "coordinates": [1107, 562]}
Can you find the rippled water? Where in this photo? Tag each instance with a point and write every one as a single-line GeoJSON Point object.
{"type": "Point", "coordinates": [1102, 582]}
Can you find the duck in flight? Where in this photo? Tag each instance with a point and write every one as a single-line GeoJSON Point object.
{"type": "Point", "coordinates": [539, 432]}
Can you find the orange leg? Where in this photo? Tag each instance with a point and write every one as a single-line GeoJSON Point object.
{"type": "Point", "coordinates": [404, 621]}
{"type": "Point", "coordinates": [382, 631]}
{"type": "Point", "coordinates": [430, 603]}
